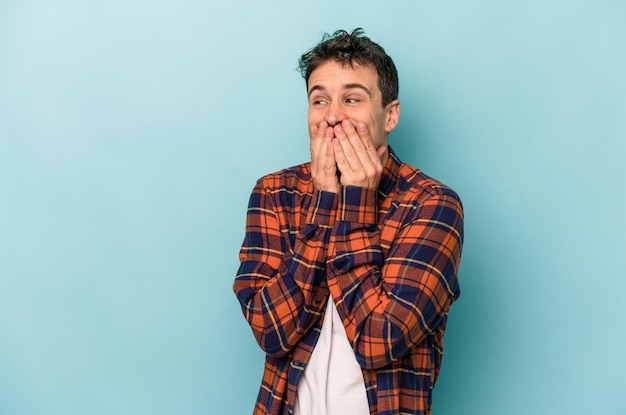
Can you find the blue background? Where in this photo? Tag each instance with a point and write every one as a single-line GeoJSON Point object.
{"type": "Point", "coordinates": [131, 133]}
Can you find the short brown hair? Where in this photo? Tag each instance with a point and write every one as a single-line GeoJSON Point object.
{"type": "Point", "coordinates": [348, 49]}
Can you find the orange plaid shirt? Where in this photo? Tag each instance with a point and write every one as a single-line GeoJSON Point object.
{"type": "Point", "coordinates": [388, 257]}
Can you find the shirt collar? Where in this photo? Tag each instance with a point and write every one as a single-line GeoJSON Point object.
{"type": "Point", "coordinates": [389, 176]}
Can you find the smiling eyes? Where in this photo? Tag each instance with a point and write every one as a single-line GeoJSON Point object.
{"type": "Point", "coordinates": [349, 101]}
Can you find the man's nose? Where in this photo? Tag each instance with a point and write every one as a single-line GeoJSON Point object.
{"type": "Point", "coordinates": [334, 114]}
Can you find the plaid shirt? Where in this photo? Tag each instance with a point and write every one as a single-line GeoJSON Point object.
{"type": "Point", "coordinates": [389, 259]}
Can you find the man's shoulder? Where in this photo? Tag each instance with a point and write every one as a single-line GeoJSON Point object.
{"type": "Point", "coordinates": [418, 184]}
{"type": "Point", "coordinates": [298, 176]}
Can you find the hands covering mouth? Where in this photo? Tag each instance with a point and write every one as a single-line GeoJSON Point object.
{"type": "Point", "coordinates": [345, 155]}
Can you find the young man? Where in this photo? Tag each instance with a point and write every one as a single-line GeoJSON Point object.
{"type": "Point", "coordinates": [349, 263]}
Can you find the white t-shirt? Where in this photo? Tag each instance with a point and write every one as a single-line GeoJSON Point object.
{"type": "Point", "coordinates": [332, 382]}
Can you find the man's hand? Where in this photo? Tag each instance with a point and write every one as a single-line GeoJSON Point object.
{"type": "Point", "coordinates": [358, 160]}
{"type": "Point", "coordinates": [323, 163]}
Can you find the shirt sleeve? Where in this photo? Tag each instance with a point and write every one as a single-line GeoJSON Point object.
{"type": "Point", "coordinates": [389, 305]}
{"type": "Point", "coordinates": [282, 288]}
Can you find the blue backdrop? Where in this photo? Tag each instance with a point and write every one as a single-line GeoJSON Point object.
{"type": "Point", "coordinates": [131, 133]}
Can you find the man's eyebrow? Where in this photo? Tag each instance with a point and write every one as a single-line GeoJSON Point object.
{"type": "Point", "coordinates": [346, 86]}
{"type": "Point", "coordinates": [316, 88]}
{"type": "Point", "coordinates": [360, 86]}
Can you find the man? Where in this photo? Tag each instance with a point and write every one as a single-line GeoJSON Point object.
{"type": "Point", "coordinates": [349, 263]}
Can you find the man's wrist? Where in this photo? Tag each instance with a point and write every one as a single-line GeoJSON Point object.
{"type": "Point", "coordinates": [358, 204]}
{"type": "Point", "coordinates": [322, 210]}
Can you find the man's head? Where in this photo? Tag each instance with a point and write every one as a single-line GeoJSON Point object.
{"type": "Point", "coordinates": [351, 79]}
{"type": "Point", "coordinates": [350, 49]}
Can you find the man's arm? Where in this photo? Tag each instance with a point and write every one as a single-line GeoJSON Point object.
{"type": "Point", "coordinates": [282, 289]}
{"type": "Point", "coordinates": [388, 305]}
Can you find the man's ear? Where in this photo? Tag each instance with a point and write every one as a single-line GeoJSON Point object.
{"type": "Point", "coordinates": [392, 112]}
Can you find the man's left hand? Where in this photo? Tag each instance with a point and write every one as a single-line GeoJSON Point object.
{"type": "Point", "coordinates": [358, 159]}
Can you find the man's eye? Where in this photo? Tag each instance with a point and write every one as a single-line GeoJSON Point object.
{"type": "Point", "coordinates": [318, 102]}
{"type": "Point", "coordinates": [352, 100]}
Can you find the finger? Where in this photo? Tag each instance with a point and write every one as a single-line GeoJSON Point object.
{"type": "Point", "coordinates": [368, 143]}
{"type": "Point", "coordinates": [352, 146]}
{"type": "Point", "coordinates": [323, 165]}
{"type": "Point", "coordinates": [365, 155]}
{"type": "Point", "coordinates": [347, 159]}
{"type": "Point", "coordinates": [362, 144]}
{"type": "Point", "coordinates": [320, 144]}
{"type": "Point", "coordinates": [316, 134]}
{"type": "Point", "coordinates": [330, 165]}
{"type": "Point", "coordinates": [340, 158]}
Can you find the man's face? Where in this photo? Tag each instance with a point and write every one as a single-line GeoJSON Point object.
{"type": "Point", "coordinates": [337, 93]}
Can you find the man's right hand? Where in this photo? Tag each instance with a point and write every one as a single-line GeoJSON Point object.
{"type": "Point", "coordinates": [323, 163]}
